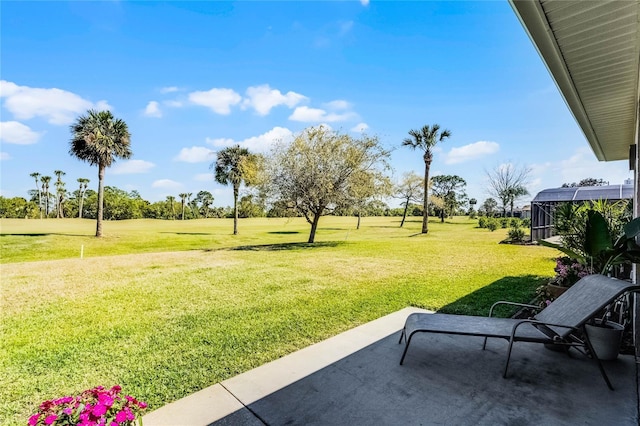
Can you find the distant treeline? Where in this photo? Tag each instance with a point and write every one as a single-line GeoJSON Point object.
{"type": "Point", "coordinates": [120, 205]}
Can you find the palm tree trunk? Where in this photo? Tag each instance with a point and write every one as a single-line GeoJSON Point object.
{"type": "Point", "coordinates": [80, 207]}
{"type": "Point", "coordinates": [425, 206]}
{"type": "Point", "coordinates": [235, 209]}
{"type": "Point", "coordinates": [101, 169]}
{"type": "Point", "coordinates": [314, 226]}
{"type": "Point", "coordinates": [358, 227]}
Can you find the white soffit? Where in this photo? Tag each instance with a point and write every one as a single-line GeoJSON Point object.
{"type": "Point", "coordinates": [592, 50]}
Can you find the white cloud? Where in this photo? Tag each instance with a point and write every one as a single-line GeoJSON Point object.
{"type": "Point", "coordinates": [219, 101]}
{"type": "Point", "coordinates": [260, 143]}
{"type": "Point", "coordinates": [169, 89]}
{"type": "Point", "coordinates": [195, 154]}
{"type": "Point", "coordinates": [17, 133]}
{"type": "Point", "coordinates": [364, 2]}
{"type": "Point", "coordinates": [338, 104]}
{"type": "Point", "coordinates": [203, 177]}
{"type": "Point", "coordinates": [131, 167]}
{"type": "Point", "coordinates": [166, 184]}
{"type": "Point", "coordinates": [153, 110]}
{"type": "Point", "coordinates": [263, 98]}
{"type": "Point", "coordinates": [471, 152]}
{"type": "Point", "coordinates": [55, 105]}
{"type": "Point", "coordinates": [316, 115]}
{"type": "Point", "coordinates": [4, 156]}
{"type": "Point", "coordinates": [360, 128]}
{"type": "Point", "coordinates": [173, 104]}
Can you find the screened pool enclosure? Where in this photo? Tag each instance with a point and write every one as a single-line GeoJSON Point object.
{"type": "Point", "coordinates": [543, 205]}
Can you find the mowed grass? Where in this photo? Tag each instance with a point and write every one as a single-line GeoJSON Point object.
{"type": "Point", "coordinates": [165, 308]}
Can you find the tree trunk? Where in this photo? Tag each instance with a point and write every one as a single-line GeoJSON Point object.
{"type": "Point", "coordinates": [358, 227]}
{"type": "Point", "coordinates": [80, 206]}
{"type": "Point", "coordinates": [425, 212]}
{"type": "Point", "coordinates": [314, 226]}
{"type": "Point", "coordinates": [235, 209]}
{"type": "Point", "coordinates": [183, 210]}
{"type": "Point", "coordinates": [101, 169]}
{"type": "Point", "coordinates": [442, 216]}
{"type": "Point", "coordinates": [404, 214]}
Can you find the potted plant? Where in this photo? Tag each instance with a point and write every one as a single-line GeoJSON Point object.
{"type": "Point", "coordinates": [601, 252]}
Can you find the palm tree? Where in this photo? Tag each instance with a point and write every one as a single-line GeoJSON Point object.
{"type": "Point", "coordinates": [84, 183]}
{"type": "Point", "coordinates": [189, 195]}
{"type": "Point", "coordinates": [45, 190]}
{"type": "Point", "coordinates": [514, 193]}
{"type": "Point", "coordinates": [59, 193]}
{"type": "Point", "coordinates": [99, 138]}
{"type": "Point", "coordinates": [426, 139]}
{"type": "Point", "coordinates": [36, 176]}
{"type": "Point", "coordinates": [171, 207]}
{"type": "Point", "coordinates": [183, 199]}
{"type": "Point", "coordinates": [233, 167]}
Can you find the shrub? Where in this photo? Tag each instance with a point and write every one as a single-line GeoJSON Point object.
{"type": "Point", "coordinates": [516, 234]}
{"type": "Point", "coordinates": [514, 222]}
{"type": "Point", "coordinates": [492, 224]}
{"type": "Point", "coordinates": [482, 222]}
{"type": "Point", "coordinates": [526, 223]}
{"type": "Point", "coordinates": [504, 222]}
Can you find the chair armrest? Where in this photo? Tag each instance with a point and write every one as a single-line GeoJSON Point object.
{"type": "Point", "coordinates": [546, 324]}
{"type": "Point", "coordinates": [503, 302]}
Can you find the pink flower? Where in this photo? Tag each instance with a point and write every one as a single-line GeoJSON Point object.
{"type": "Point", "coordinates": [105, 400]}
{"type": "Point", "coordinates": [33, 420]}
{"type": "Point", "coordinates": [99, 410]}
{"type": "Point", "coordinates": [68, 411]}
{"type": "Point", "coordinates": [121, 417]}
{"type": "Point", "coordinates": [50, 419]}
{"type": "Point", "coordinates": [142, 405]}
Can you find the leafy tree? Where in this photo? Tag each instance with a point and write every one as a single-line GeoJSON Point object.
{"type": "Point", "coordinates": [45, 190]}
{"type": "Point", "coordinates": [508, 183]}
{"type": "Point", "coordinates": [450, 189]}
{"type": "Point", "coordinates": [36, 176]}
{"type": "Point", "coordinates": [586, 182]}
{"type": "Point", "coordinates": [99, 139]}
{"type": "Point", "coordinates": [248, 207]}
{"type": "Point", "coordinates": [426, 139]}
{"type": "Point", "coordinates": [205, 198]}
{"type": "Point", "coordinates": [84, 183]}
{"type": "Point", "coordinates": [410, 189]}
{"type": "Point", "coordinates": [489, 206]}
{"type": "Point", "coordinates": [171, 207]}
{"type": "Point", "coordinates": [60, 191]}
{"type": "Point", "coordinates": [321, 169]}
{"type": "Point", "coordinates": [235, 165]}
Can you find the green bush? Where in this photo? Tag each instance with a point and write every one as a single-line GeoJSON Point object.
{"type": "Point", "coordinates": [492, 224]}
{"type": "Point", "coordinates": [504, 222]}
{"type": "Point", "coordinates": [482, 222]}
{"type": "Point", "coordinates": [526, 223]}
{"type": "Point", "coordinates": [516, 234]}
{"type": "Point", "coordinates": [515, 222]}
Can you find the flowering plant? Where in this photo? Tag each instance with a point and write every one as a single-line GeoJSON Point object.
{"type": "Point", "coordinates": [93, 407]}
{"type": "Point", "coordinates": [569, 271]}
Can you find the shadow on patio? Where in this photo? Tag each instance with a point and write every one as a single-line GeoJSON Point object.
{"type": "Point", "coordinates": [354, 378]}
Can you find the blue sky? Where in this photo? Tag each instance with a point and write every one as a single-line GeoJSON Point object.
{"type": "Point", "coordinates": [190, 78]}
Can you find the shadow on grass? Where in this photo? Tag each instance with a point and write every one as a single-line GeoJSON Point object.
{"type": "Point", "coordinates": [288, 246]}
{"type": "Point", "coordinates": [46, 235]}
{"type": "Point", "coordinates": [187, 233]}
{"type": "Point", "coordinates": [520, 289]}
{"type": "Point", "coordinates": [283, 232]}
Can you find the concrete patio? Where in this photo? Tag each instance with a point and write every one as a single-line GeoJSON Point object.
{"type": "Point", "coordinates": [354, 378]}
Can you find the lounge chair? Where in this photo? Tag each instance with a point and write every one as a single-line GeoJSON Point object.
{"type": "Point", "coordinates": [561, 323]}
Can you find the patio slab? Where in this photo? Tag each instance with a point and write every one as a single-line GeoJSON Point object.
{"type": "Point", "coordinates": [355, 378]}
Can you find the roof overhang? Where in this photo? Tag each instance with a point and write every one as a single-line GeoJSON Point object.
{"type": "Point", "coordinates": [592, 50]}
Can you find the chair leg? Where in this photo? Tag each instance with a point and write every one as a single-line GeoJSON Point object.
{"type": "Point", "coordinates": [404, 353]}
{"type": "Point", "coordinates": [484, 345]}
{"type": "Point", "coordinates": [595, 357]}
{"type": "Point", "coordinates": [506, 365]}
{"type": "Point", "coordinates": [401, 335]}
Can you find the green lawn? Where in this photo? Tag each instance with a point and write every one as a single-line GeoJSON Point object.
{"type": "Point", "coordinates": [165, 308]}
